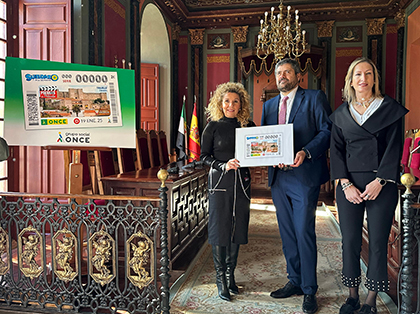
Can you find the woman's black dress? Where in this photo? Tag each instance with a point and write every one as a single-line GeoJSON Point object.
{"type": "Point", "coordinates": [229, 192]}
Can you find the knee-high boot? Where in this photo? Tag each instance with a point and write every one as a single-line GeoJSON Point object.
{"type": "Point", "coordinates": [219, 258]}
{"type": "Point", "coordinates": [231, 261]}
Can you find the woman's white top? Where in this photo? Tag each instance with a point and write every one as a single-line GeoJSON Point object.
{"type": "Point", "coordinates": [361, 118]}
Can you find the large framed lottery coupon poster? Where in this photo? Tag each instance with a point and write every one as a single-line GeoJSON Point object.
{"type": "Point", "coordinates": [264, 145]}
{"type": "Point", "coordinates": [63, 104]}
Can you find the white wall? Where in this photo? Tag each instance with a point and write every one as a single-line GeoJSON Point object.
{"type": "Point", "coordinates": [155, 48]}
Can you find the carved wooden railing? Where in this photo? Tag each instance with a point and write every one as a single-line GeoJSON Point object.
{"type": "Point", "coordinates": [411, 240]}
{"type": "Point", "coordinates": [100, 256]}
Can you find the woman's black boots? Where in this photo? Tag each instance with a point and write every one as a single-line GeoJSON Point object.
{"type": "Point", "coordinates": [219, 258]}
{"type": "Point", "coordinates": [231, 261]}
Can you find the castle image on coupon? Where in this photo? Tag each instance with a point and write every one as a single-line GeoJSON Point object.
{"type": "Point", "coordinates": [74, 102]}
{"type": "Point", "coordinates": [264, 147]}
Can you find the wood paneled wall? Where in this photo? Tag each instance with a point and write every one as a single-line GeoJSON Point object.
{"type": "Point", "coordinates": [44, 34]}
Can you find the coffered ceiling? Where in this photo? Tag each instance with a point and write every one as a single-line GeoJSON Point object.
{"type": "Point", "coordinates": [226, 13]}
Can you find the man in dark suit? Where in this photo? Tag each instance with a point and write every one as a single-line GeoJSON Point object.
{"type": "Point", "coordinates": [295, 188]}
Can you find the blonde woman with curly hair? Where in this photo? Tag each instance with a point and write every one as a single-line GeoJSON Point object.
{"type": "Point", "coordinates": [215, 108]}
{"type": "Point", "coordinates": [229, 185]}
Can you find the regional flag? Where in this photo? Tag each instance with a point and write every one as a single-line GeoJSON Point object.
{"type": "Point", "coordinates": [181, 140]}
{"type": "Point", "coordinates": [194, 141]}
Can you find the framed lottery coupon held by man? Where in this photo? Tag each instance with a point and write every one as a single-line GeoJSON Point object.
{"type": "Point", "coordinates": [265, 145]}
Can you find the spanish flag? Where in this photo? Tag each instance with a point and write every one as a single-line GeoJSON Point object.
{"type": "Point", "coordinates": [194, 140]}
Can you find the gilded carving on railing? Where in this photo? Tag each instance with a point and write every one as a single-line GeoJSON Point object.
{"type": "Point", "coordinates": [30, 246]}
{"type": "Point", "coordinates": [66, 261]}
{"type": "Point", "coordinates": [64, 248]}
{"type": "Point", "coordinates": [140, 259]}
{"type": "Point", "coordinates": [101, 252]}
{"type": "Point", "coordinates": [4, 252]}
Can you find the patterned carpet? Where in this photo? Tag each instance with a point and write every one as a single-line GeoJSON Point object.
{"type": "Point", "coordinates": [262, 269]}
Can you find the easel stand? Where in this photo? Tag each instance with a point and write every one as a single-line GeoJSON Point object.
{"type": "Point", "coordinates": [75, 181]}
{"type": "Point", "coordinates": [74, 168]}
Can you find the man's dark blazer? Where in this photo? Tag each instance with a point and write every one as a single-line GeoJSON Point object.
{"type": "Point", "coordinates": [311, 129]}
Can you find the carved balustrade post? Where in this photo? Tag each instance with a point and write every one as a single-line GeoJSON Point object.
{"type": "Point", "coordinates": [164, 260]}
{"type": "Point", "coordinates": [407, 287]}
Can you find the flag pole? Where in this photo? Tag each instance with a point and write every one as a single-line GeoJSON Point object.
{"type": "Point", "coordinates": [185, 135]}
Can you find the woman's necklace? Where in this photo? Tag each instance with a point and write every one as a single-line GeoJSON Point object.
{"type": "Point", "coordinates": [365, 103]}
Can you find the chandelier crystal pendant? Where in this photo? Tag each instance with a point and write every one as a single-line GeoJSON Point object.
{"type": "Point", "coordinates": [281, 35]}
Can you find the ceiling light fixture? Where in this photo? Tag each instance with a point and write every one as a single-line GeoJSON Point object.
{"type": "Point", "coordinates": [281, 35]}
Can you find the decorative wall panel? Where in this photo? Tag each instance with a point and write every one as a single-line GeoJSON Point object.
{"type": "Point", "coordinates": [343, 58]}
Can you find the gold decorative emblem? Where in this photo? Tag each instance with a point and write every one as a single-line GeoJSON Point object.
{"type": "Point", "coordinates": [197, 36]}
{"type": "Point", "coordinates": [140, 259]}
{"type": "Point", "coordinates": [239, 34]}
{"type": "Point", "coordinates": [218, 41]}
{"type": "Point", "coordinates": [4, 252]}
{"type": "Point", "coordinates": [31, 255]}
{"type": "Point", "coordinates": [375, 26]}
{"type": "Point", "coordinates": [64, 247]}
{"type": "Point", "coordinates": [347, 34]}
{"type": "Point", "coordinates": [102, 252]}
{"type": "Point", "coordinates": [325, 28]}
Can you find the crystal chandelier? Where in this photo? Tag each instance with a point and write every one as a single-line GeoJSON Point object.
{"type": "Point", "coordinates": [280, 35]}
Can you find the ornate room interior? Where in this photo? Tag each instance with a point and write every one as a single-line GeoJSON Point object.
{"type": "Point", "coordinates": [183, 49]}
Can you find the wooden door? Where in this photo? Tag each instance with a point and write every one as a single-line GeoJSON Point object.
{"type": "Point", "coordinates": [44, 29]}
{"type": "Point", "coordinates": [44, 34]}
{"type": "Point", "coordinates": [149, 111]}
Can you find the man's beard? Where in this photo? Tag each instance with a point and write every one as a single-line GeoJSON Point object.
{"type": "Point", "coordinates": [286, 87]}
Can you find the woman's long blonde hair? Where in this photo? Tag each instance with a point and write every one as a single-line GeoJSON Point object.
{"type": "Point", "coordinates": [349, 94]}
{"type": "Point", "coordinates": [215, 107]}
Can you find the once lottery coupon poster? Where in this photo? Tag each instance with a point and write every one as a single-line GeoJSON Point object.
{"type": "Point", "coordinates": [58, 104]}
{"type": "Point", "coordinates": [264, 145]}
{"type": "Point", "coordinates": [70, 99]}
